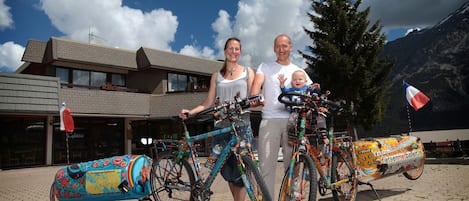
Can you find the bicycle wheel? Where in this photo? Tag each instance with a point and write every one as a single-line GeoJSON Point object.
{"type": "Point", "coordinates": [344, 176]}
{"type": "Point", "coordinates": [415, 173]}
{"type": "Point", "coordinates": [255, 184]}
{"type": "Point", "coordinates": [170, 180]}
{"type": "Point", "coordinates": [52, 193]}
{"type": "Point", "coordinates": [303, 185]}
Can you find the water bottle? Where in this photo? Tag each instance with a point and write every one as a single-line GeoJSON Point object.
{"type": "Point", "coordinates": [212, 158]}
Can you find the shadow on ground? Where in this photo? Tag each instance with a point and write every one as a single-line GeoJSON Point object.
{"type": "Point", "coordinates": [370, 195]}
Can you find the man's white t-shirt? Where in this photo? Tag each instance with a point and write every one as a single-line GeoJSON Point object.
{"type": "Point", "coordinates": [271, 89]}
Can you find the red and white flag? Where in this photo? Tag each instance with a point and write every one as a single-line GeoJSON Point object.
{"type": "Point", "coordinates": [415, 97]}
{"type": "Point", "coordinates": [66, 120]}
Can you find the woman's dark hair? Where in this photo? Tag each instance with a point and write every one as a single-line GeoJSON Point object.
{"type": "Point", "coordinates": [223, 69]}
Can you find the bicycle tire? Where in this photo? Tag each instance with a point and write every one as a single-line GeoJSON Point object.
{"type": "Point", "coordinates": [344, 166]}
{"type": "Point", "coordinates": [255, 181]}
{"type": "Point", "coordinates": [414, 174]}
{"type": "Point", "coordinates": [52, 193]}
{"type": "Point", "coordinates": [308, 181]}
{"type": "Point", "coordinates": [170, 180]}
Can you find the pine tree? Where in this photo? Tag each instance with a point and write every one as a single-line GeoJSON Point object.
{"type": "Point", "coordinates": [344, 59]}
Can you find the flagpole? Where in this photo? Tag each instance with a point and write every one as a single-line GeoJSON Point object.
{"type": "Point", "coordinates": [68, 152]}
{"type": "Point", "coordinates": [414, 98]}
{"type": "Point", "coordinates": [408, 113]}
{"type": "Point", "coordinates": [408, 120]}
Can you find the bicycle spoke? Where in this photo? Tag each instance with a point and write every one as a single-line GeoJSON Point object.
{"type": "Point", "coordinates": [171, 181]}
{"type": "Point", "coordinates": [344, 177]}
{"type": "Point", "coordinates": [302, 186]}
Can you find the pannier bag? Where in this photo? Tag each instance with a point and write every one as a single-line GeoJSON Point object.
{"type": "Point", "coordinates": [114, 178]}
{"type": "Point", "coordinates": [381, 157]}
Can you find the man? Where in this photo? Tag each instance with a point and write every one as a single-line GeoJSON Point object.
{"type": "Point", "coordinates": [273, 127]}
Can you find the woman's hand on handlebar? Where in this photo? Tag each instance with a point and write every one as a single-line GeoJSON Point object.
{"type": "Point", "coordinates": [184, 114]}
{"type": "Point", "coordinates": [323, 110]}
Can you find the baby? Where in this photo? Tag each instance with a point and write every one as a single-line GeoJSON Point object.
{"type": "Point", "coordinates": [298, 83]}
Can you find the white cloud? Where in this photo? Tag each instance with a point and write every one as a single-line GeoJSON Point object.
{"type": "Point", "coordinates": [409, 14]}
{"type": "Point", "coordinates": [258, 22]}
{"type": "Point", "coordinates": [205, 52]}
{"type": "Point", "coordinates": [112, 23]}
{"type": "Point", "coordinates": [10, 55]}
{"type": "Point", "coordinates": [6, 20]}
{"type": "Point", "coordinates": [222, 26]}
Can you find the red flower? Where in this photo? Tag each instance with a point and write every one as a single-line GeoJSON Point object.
{"type": "Point", "coordinates": [64, 182]}
{"type": "Point", "coordinates": [95, 164]}
{"type": "Point", "coordinates": [57, 193]}
{"type": "Point", "coordinates": [106, 162]}
{"type": "Point", "coordinates": [67, 194]}
{"type": "Point", "coordinates": [59, 174]}
{"type": "Point", "coordinates": [123, 164]}
{"type": "Point", "coordinates": [76, 195]}
{"type": "Point", "coordinates": [117, 161]}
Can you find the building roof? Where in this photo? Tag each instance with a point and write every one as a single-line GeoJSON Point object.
{"type": "Point", "coordinates": [63, 50]}
{"type": "Point", "coordinates": [34, 51]}
{"type": "Point", "coordinates": [78, 52]}
{"type": "Point", "coordinates": [151, 58]}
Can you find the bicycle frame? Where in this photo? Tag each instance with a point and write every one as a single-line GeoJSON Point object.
{"type": "Point", "coordinates": [337, 146]}
{"type": "Point", "coordinates": [236, 145]}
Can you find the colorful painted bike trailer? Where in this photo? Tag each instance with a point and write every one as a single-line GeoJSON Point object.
{"type": "Point", "coordinates": [381, 157]}
{"type": "Point", "coordinates": [114, 178]}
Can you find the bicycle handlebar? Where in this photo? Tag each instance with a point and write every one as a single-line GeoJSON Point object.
{"type": "Point", "coordinates": [311, 100]}
{"type": "Point", "coordinates": [233, 106]}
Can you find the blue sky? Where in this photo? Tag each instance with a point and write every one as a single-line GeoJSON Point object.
{"type": "Point", "coordinates": [197, 28]}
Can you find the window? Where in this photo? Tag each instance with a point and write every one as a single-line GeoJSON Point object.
{"type": "Point", "coordinates": [63, 74]}
{"type": "Point", "coordinates": [180, 82]}
{"type": "Point", "coordinates": [98, 79]}
{"type": "Point", "coordinates": [118, 80]}
{"type": "Point", "coordinates": [199, 83]}
{"type": "Point", "coordinates": [177, 82]}
{"type": "Point", "coordinates": [81, 77]}
{"type": "Point", "coordinates": [91, 79]}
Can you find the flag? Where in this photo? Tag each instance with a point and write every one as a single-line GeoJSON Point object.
{"type": "Point", "coordinates": [415, 97]}
{"type": "Point", "coordinates": [66, 120]}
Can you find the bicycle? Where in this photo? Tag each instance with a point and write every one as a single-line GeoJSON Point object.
{"type": "Point", "coordinates": [178, 175]}
{"type": "Point", "coordinates": [333, 158]}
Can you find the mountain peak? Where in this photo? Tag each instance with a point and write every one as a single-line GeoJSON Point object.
{"type": "Point", "coordinates": [434, 60]}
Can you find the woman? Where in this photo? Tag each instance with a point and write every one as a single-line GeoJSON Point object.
{"type": "Point", "coordinates": [232, 78]}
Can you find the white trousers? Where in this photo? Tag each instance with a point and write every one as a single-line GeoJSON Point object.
{"type": "Point", "coordinates": [272, 134]}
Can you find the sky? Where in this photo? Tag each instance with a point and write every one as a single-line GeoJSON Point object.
{"type": "Point", "coordinates": [196, 28]}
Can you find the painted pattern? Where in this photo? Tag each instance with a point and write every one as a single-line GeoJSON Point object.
{"type": "Point", "coordinates": [114, 178]}
{"type": "Point", "coordinates": [380, 157]}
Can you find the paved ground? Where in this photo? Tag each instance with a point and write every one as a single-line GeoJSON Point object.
{"type": "Point", "coordinates": [439, 182]}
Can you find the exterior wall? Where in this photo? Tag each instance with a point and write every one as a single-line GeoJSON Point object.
{"type": "Point", "coordinates": [29, 94]}
{"type": "Point", "coordinates": [35, 100]}
{"type": "Point", "coordinates": [150, 81]}
{"type": "Point", "coordinates": [164, 106]}
{"type": "Point", "coordinates": [85, 102]}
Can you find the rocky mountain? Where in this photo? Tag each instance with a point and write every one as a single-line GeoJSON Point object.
{"type": "Point", "coordinates": [435, 61]}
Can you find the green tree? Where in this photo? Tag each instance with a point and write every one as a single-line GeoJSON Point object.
{"type": "Point", "coordinates": [344, 59]}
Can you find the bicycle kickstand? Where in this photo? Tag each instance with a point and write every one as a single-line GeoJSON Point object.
{"type": "Point", "coordinates": [372, 188]}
